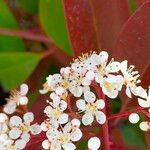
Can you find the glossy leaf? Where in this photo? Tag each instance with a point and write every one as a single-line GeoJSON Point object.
{"type": "Point", "coordinates": [7, 21]}
{"type": "Point", "coordinates": [140, 2]}
{"type": "Point", "coordinates": [94, 25]}
{"type": "Point", "coordinates": [53, 21]}
{"type": "Point", "coordinates": [16, 67]}
{"type": "Point", "coordinates": [30, 6]}
{"type": "Point", "coordinates": [133, 43]}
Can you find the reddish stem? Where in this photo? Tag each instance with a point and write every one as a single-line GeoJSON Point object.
{"type": "Point", "coordinates": [25, 34]}
{"type": "Point", "coordinates": [126, 114]}
{"type": "Point", "coordinates": [105, 128]}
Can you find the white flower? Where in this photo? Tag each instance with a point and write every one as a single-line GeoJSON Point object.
{"type": "Point", "coordinates": [16, 98]}
{"type": "Point", "coordinates": [56, 110]}
{"type": "Point", "coordinates": [94, 143]}
{"type": "Point", "coordinates": [131, 78]}
{"type": "Point", "coordinates": [111, 85]}
{"type": "Point", "coordinates": [49, 124]}
{"type": "Point", "coordinates": [80, 83]}
{"type": "Point", "coordinates": [134, 118]}
{"type": "Point", "coordinates": [58, 139]}
{"type": "Point", "coordinates": [22, 128]}
{"type": "Point", "coordinates": [91, 107]}
{"type": "Point", "coordinates": [145, 100]}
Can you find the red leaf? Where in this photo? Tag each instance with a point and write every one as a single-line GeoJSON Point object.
{"type": "Point", "coordinates": [133, 43]}
{"type": "Point", "coordinates": [140, 2]}
{"type": "Point", "coordinates": [94, 25]}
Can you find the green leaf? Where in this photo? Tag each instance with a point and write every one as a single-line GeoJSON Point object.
{"type": "Point", "coordinates": [7, 20]}
{"type": "Point", "coordinates": [53, 21]}
{"type": "Point", "coordinates": [16, 67]}
{"type": "Point", "coordinates": [133, 136]}
{"type": "Point", "coordinates": [30, 6]}
{"type": "Point", "coordinates": [133, 5]}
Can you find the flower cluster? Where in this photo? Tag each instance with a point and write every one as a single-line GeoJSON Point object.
{"type": "Point", "coordinates": [77, 80]}
{"type": "Point", "coordinates": [76, 83]}
{"type": "Point", "coordinates": [15, 131]}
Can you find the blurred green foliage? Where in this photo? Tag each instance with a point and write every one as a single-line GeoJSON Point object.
{"type": "Point", "coordinates": [7, 20]}
{"type": "Point", "coordinates": [30, 6]}
{"type": "Point", "coordinates": [53, 21]}
{"type": "Point", "coordinates": [16, 67]}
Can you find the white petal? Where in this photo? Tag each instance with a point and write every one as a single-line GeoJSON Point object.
{"type": "Point", "coordinates": [3, 117]}
{"type": "Point", "coordinates": [3, 137]}
{"type": "Point", "coordinates": [63, 105]}
{"type": "Point", "coordinates": [76, 135]}
{"type": "Point", "coordinates": [95, 59]}
{"type": "Point", "coordinates": [20, 144]}
{"type": "Point", "coordinates": [76, 91]}
{"type": "Point", "coordinates": [56, 145]}
{"type": "Point", "coordinates": [67, 128]}
{"type": "Point", "coordinates": [69, 146]}
{"type": "Point", "coordinates": [143, 103]}
{"type": "Point", "coordinates": [144, 126]}
{"type": "Point", "coordinates": [24, 89]}
{"type": "Point", "coordinates": [123, 66]}
{"type": "Point", "coordinates": [112, 94]}
{"type": "Point", "coordinates": [100, 104]}
{"type": "Point", "coordinates": [128, 92]}
{"type": "Point", "coordinates": [15, 121]}
{"type": "Point", "coordinates": [89, 96]}
{"type": "Point", "coordinates": [90, 75]}
{"type": "Point", "coordinates": [87, 119]}
{"type": "Point", "coordinates": [86, 81]}
{"type": "Point", "coordinates": [48, 110]}
{"type": "Point", "coordinates": [100, 117]}
{"type": "Point", "coordinates": [28, 117]}
{"type": "Point", "coordinates": [23, 100]}
{"type": "Point", "coordinates": [75, 123]}
{"type": "Point", "coordinates": [43, 91]}
{"type": "Point", "coordinates": [60, 90]}
{"type": "Point", "coordinates": [81, 104]}
{"type": "Point", "coordinates": [35, 129]}
{"type": "Point", "coordinates": [94, 143]}
{"type": "Point", "coordinates": [25, 137]}
{"type": "Point", "coordinates": [134, 118]}
{"type": "Point", "coordinates": [140, 92]}
{"type": "Point", "coordinates": [3, 128]}
{"type": "Point", "coordinates": [10, 108]}
{"type": "Point", "coordinates": [44, 126]}
{"type": "Point", "coordinates": [14, 133]}
{"type": "Point", "coordinates": [49, 79]}
{"type": "Point", "coordinates": [98, 77]}
{"type": "Point", "coordinates": [52, 134]}
{"type": "Point", "coordinates": [46, 144]}
{"type": "Point", "coordinates": [63, 119]}
{"type": "Point", "coordinates": [103, 56]}
{"type": "Point", "coordinates": [113, 67]}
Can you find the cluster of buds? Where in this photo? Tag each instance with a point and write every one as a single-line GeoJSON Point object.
{"type": "Point", "coordinates": [76, 83]}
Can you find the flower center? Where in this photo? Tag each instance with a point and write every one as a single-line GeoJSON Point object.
{"type": "Point", "coordinates": [65, 84]}
{"type": "Point", "coordinates": [64, 138]}
{"type": "Point", "coordinates": [92, 107]}
{"type": "Point", "coordinates": [57, 112]}
{"type": "Point", "coordinates": [108, 85]}
{"type": "Point", "coordinates": [24, 128]}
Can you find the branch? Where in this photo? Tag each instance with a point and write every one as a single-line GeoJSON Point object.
{"type": "Point", "coordinates": [105, 127]}
{"type": "Point", "coordinates": [125, 114]}
{"type": "Point", "coordinates": [25, 34]}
